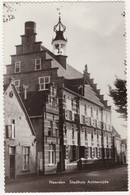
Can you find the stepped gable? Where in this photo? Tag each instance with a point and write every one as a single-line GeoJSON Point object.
{"type": "Point", "coordinates": [34, 103]}
{"type": "Point", "coordinates": [92, 96]}
{"type": "Point", "coordinates": [90, 81]}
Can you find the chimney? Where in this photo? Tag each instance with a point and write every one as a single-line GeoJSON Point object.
{"type": "Point", "coordinates": [30, 28]}
{"type": "Point", "coordinates": [25, 91]}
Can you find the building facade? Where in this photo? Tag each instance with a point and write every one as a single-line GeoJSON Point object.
{"type": "Point", "coordinates": [20, 138]}
{"type": "Point", "coordinates": [70, 116]}
{"type": "Point", "coordinates": [43, 109]}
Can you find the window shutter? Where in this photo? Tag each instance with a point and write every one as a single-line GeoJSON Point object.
{"type": "Point", "coordinates": [6, 129]}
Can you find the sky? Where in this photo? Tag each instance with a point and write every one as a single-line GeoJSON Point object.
{"type": "Point", "coordinates": [94, 31]}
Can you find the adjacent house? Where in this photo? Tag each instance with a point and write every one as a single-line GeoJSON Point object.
{"type": "Point", "coordinates": [20, 137]}
{"type": "Point", "coordinates": [119, 147]}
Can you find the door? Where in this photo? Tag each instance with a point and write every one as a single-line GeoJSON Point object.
{"type": "Point", "coordinates": [74, 153]}
{"type": "Point", "coordinates": [82, 152]}
{"type": "Point", "coordinates": [12, 161]}
{"type": "Point", "coordinates": [12, 166]}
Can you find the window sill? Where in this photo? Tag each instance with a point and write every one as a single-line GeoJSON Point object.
{"type": "Point", "coordinates": [25, 171]}
{"type": "Point", "coordinates": [11, 138]}
{"type": "Point", "coordinates": [17, 72]}
{"type": "Point", "coordinates": [43, 89]}
{"type": "Point", "coordinates": [37, 69]}
{"type": "Point", "coordinates": [50, 165]}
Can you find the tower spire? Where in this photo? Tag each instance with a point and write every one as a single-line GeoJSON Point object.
{"type": "Point", "coordinates": [59, 42]}
{"type": "Point", "coordinates": [59, 26]}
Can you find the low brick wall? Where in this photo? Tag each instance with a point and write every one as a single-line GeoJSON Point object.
{"type": "Point", "coordinates": [95, 164]}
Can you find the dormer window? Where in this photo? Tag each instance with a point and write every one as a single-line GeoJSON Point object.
{"type": "Point", "coordinates": [17, 67]}
{"type": "Point", "coordinates": [44, 83]}
{"type": "Point", "coordinates": [38, 64]}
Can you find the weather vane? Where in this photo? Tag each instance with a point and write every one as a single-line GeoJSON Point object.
{"type": "Point", "coordinates": [59, 10]}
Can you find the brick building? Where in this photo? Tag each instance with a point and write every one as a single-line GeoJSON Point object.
{"type": "Point", "coordinates": [42, 107]}
{"type": "Point", "coordinates": [20, 139]}
{"type": "Point", "coordinates": [70, 116]}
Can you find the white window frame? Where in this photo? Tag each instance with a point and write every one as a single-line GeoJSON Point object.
{"type": "Point", "coordinates": [11, 128]}
{"type": "Point", "coordinates": [51, 155]}
{"type": "Point", "coordinates": [38, 64]}
{"type": "Point", "coordinates": [17, 86]}
{"type": "Point", "coordinates": [42, 85]}
{"type": "Point", "coordinates": [17, 66]}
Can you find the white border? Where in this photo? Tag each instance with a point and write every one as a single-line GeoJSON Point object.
{"type": "Point", "coordinates": [1, 96]}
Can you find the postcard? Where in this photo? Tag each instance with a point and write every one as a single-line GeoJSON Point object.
{"type": "Point", "coordinates": [65, 96]}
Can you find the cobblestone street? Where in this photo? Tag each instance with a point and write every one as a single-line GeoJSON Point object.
{"type": "Point", "coordinates": [103, 180]}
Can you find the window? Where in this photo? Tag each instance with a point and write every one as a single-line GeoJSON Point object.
{"type": "Point", "coordinates": [53, 92]}
{"type": "Point", "coordinates": [72, 102]}
{"type": "Point", "coordinates": [12, 150]}
{"type": "Point", "coordinates": [64, 98]}
{"type": "Point", "coordinates": [106, 117]}
{"type": "Point", "coordinates": [82, 119]}
{"type": "Point", "coordinates": [90, 152]}
{"type": "Point", "coordinates": [10, 130]}
{"type": "Point", "coordinates": [51, 154]}
{"type": "Point", "coordinates": [105, 153]}
{"type": "Point", "coordinates": [17, 84]}
{"type": "Point", "coordinates": [44, 83]}
{"type": "Point", "coordinates": [38, 64]}
{"type": "Point", "coordinates": [97, 114]}
{"type": "Point", "coordinates": [96, 152]}
{"type": "Point", "coordinates": [50, 128]}
{"type": "Point", "coordinates": [100, 152]}
{"type": "Point", "coordinates": [85, 109]}
{"type": "Point", "coordinates": [85, 134]}
{"type": "Point", "coordinates": [91, 136]}
{"type": "Point", "coordinates": [17, 67]}
{"type": "Point", "coordinates": [91, 112]}
{"type": "Point", "coordinates": [72, 132]}
{"type": "Point", "coordinates": [88, 120]}
{"type": "Point", "coordinates": [110, 153]}
{"type": "Point", "coordinates": [69, 114]}
{"type": "Point", "coordinates": [25, 158]}
{"type": "Point", "coordinates": [97, 136]}
{"type": "Point", "coordinates": [56, 132]}
{"type": "Point", "coordinates": [56, 128]}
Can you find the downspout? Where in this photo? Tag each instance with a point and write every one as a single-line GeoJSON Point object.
{"type": "Point", "coordinates": [43, 135]}
{"type": "Point", "coordinates": [62, 120]}
{"type": "Point", "coordinates": [102, 137]}
{"type": "Point", "coordinates": [78, 124]}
